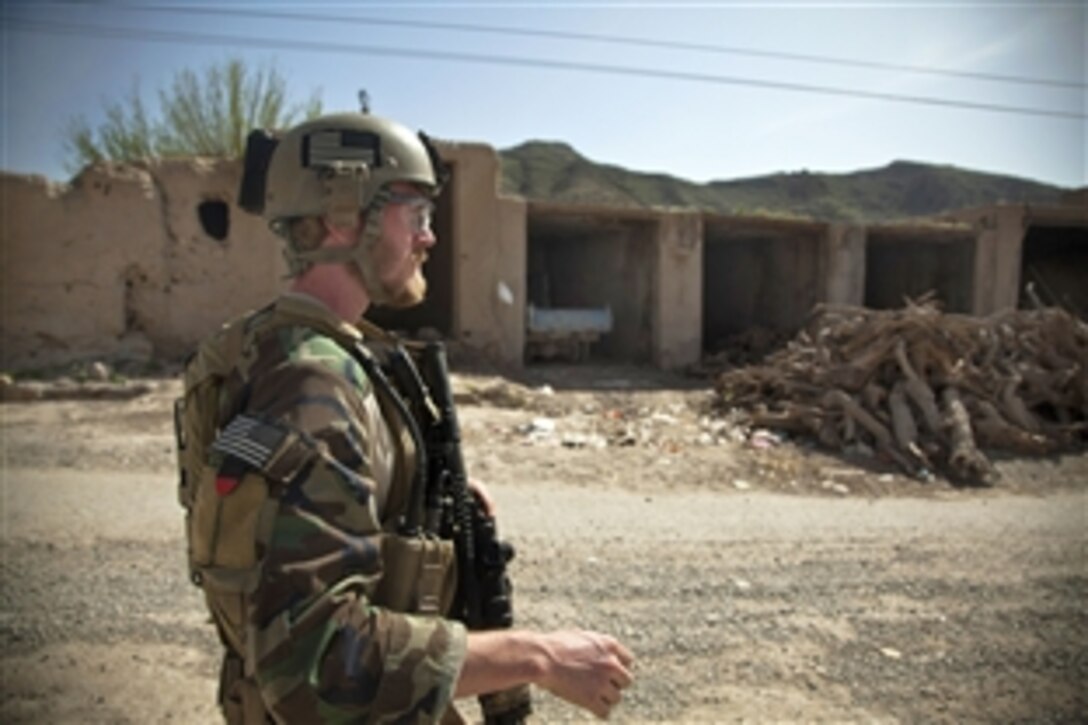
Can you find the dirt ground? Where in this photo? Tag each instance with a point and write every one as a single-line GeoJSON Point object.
{"type": "Point", "coordinates": [755, 578]}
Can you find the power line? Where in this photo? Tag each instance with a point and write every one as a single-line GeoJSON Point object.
{"type": "Point", "coordinates": [507, 60]}
{"type": "Point", "coordinates": [615, 40]}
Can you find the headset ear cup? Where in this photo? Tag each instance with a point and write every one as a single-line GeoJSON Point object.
{"type": "Point", "coordinates": [260, 144]}
{"type": "Point", "coordinates": [440, 167]}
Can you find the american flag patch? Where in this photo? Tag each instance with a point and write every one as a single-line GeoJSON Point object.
{"type": "Point", "coordinates": [251, 440]}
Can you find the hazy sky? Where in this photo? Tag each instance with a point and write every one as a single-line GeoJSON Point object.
{"type": "Point", "coordinates": [732, 107]}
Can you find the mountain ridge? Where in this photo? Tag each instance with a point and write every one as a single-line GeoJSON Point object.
{"type": "Point", "coordinates": [903, 189]}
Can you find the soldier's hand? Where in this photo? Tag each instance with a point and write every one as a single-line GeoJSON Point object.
{"type": "Point", "coordinates": [587, 669]}
{"type": "Point", "coordinates": [487, 502]}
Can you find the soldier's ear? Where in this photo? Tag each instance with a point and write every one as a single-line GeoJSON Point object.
{"type": "Point", "coordinates": [340, 234]}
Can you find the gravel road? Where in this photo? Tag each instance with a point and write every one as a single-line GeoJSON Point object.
{"type": "Point", "coordinates": [754, 605]}
{"type": "Point", "coordinates": [739, 607]}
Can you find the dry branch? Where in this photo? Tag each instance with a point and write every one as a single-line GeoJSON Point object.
{"type": "Point", "coordinates": [964, 457]}
{"type": "Point", "coordinates": [906, 431]}
{"type": "Point", "coordinates": [925, 388]}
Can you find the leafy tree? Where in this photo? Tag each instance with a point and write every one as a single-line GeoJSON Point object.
{"type": "Point", "coordinates": [200, 114]}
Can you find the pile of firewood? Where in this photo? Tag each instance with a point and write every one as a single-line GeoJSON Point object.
{"type": "Point", "coordinates": [929, 391]}
{"type": "Point", "coordinates": [748, 347]}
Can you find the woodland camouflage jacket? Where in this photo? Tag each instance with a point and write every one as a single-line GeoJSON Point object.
{"type": "Point", "coordinates": [314, 640]}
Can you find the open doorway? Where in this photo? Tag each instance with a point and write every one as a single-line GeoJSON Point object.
{"type": "Point", "coordinates": [1054, 268]}
{"type": "Point", "coordinates": [595, 273]}
{"type": "Point", "coordinates": [904, 262]}
{"type": "Point", "coordinates": [761, 279]}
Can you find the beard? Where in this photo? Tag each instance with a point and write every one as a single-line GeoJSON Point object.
{"type": "Point", "coordinates": [409, 294]}
{"type": "Point", "coordinates": [398, 295]}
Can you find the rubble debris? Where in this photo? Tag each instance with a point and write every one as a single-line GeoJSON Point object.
{"type": "Point", "coordinates": [19, 391]}
{"type": "Point", "coordinates": [499, 393]}
{"type": "Point", "coordinates": [927, 390]}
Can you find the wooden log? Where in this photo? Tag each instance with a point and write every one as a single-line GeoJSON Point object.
{"type": "Point", "coordinates": [964, 457]}
{"type": "Point", "coordinates": [794, 418]}
{"type": "Point", "coordinates": [993, 431]}
{"type": "Point", "coordinates": [920, 393]}
{"type": "Point", "coordinates": [1013, 407]}
{"type": "Point", "coordinates": [906, 430]}
{"type": "Point", "coordinates": [879, 376]}
{"type": "Point", "coordinates": [854, 410]}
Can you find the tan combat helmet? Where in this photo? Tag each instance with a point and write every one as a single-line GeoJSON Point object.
{"type": "Point", "coordinates": [339, 166]}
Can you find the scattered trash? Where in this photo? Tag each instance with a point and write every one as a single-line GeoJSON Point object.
{"type": "Point", "coordinates": [847, 472]}
{"type": "Point", "coordinates": [834, 487]}
{"type": "Point", "coordinates": [540, 425]}
{"type": "Point", "coordinates": [99, 372]}
{"type": "Point", "coordinates": [583, 440]}
{"type": "Point", "coordinates": [762, 438]}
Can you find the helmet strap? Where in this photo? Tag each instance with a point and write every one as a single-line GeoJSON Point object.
{"type": "Point", "coordinates": [364, 247]}
{"type": "Point", "coordinates": [357, 254]}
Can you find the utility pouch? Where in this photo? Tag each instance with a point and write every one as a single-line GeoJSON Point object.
{"type": "Point", "coordinates": [224, 533]}
{"type": "Point", "coordinates": [234, 511]}
{"type": "Point", "coordinates": [239, 696]}
{"type": "Point", "coordinates": [224, 523]}
{"type": "Point", "coordinates": [420, 574]}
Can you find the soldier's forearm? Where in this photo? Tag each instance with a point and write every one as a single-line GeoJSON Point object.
{"type": "Point", "coordinates": [587, 669]}
{"type": "Point", "coordinates": [501, 659]}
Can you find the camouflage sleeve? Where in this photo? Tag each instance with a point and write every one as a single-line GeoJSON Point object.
{"type": "Point", "coordinates": [321, 651]}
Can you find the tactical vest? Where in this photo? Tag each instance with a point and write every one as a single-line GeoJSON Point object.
{"type": "Point", "coordinates": [226, 530]}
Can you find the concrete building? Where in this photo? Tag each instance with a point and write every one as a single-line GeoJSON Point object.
{"type": "Point", "coordinates": [141, 261]}
{"type": "Point", "coordinates": [1024, 251]}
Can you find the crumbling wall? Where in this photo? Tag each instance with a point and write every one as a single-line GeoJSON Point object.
{"type": "Point", "coordinates": [211, 274]}
{"type": "Point", "coordinates": [144, 260]}
{"type": "Point", "coordinates": [488, 248]}
{"type": "Point", "coordinates": [118, 264]}
{"type": "Point", "coordinates": [73, 266]}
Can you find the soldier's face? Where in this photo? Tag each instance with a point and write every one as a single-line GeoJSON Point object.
{"type": "Point", "coordinates": [406, 236]}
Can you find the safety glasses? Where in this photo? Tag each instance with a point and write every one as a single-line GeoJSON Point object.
{"type": "Point", "coordinates": [420, 210]}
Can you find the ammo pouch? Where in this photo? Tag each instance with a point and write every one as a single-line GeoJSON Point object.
{"type": "Point", "coordinates": [419, 574]}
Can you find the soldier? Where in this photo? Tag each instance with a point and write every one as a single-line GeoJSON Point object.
{"type": "Point", "coordinates": [297, 467]}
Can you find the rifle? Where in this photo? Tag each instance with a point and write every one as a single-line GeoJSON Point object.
{"type": "Point", "coordinates": [450, 510]}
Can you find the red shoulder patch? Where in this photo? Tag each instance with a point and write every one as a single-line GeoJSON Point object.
{"type": "Point", "coordinates": [224, 485]}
